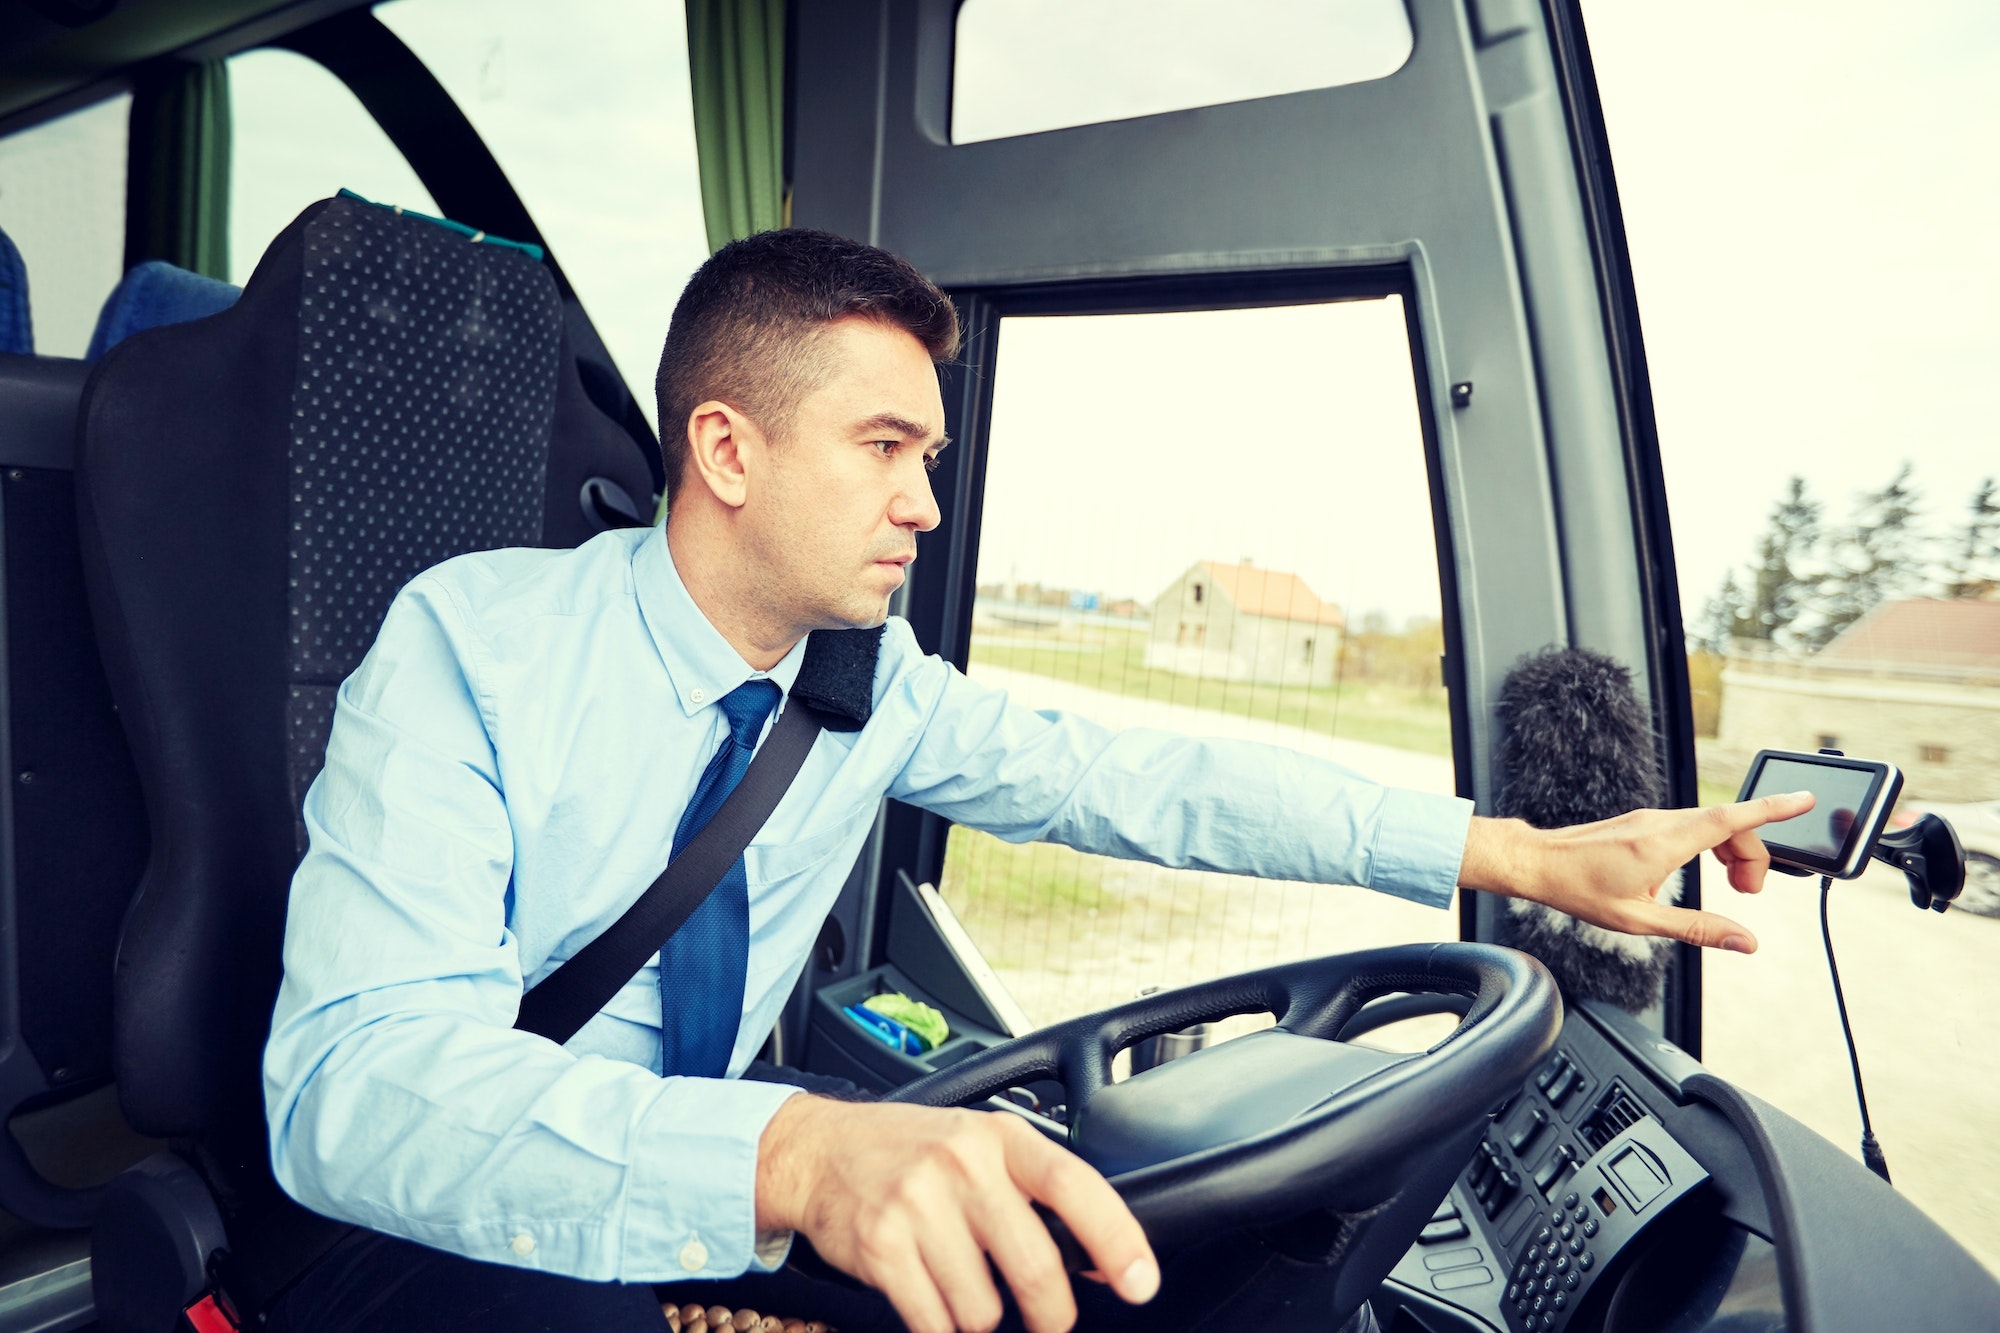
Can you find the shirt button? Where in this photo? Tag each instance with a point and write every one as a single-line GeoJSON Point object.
{"type": "Point", "coordinates": [694, 1256]}
{"type": "Point", "coordinates": [523, 1244]}
{"type": "Point", "coordinates": [697, 695]}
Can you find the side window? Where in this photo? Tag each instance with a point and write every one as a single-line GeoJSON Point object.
{"type": "Point", "coordinates": [1217, 523]}
{"type": "Point", "coordinates": [587, 110]}
{"type": "Point", "coordinates": [298, 135]}
{"type": "Point", "coordinates": [62, 203]}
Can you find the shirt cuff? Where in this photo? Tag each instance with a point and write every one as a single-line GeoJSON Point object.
{"type": "Point", "coordinates": [1419, 844]}
{"type": "Point", "coordinates": [692, 1208]}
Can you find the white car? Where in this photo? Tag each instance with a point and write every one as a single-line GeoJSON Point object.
{"type": "Point", "coordinates": [1978, 826]}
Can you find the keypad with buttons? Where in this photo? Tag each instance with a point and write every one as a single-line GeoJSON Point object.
{"type": "Point", "coordinates": [1546, 1279]}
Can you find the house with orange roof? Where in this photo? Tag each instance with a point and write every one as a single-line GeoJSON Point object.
{"type": "Point", "coordinates": [1240, 622]}
{"type": "Point", "coordinates": [1915, 682]}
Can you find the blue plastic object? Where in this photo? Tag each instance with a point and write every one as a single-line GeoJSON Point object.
{"type": "Point", "coordinates": [886, 1030]}
{"type": "Point", "coordinates": [153, 294]}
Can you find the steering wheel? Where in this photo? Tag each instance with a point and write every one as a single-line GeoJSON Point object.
{"type": "Point", "coordinates": [1286, 1121]}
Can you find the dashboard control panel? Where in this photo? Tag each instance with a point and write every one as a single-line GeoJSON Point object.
{"type": "Point", "coordinates": [1573, 1170]}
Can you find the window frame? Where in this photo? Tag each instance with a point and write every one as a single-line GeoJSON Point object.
{"type": "Point", "coordinates": [938, 599]}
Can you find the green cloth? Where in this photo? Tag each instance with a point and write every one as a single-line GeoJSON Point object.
{"type": "Point", "coordinates": [915, 1015]}
{"type": "Point", "coordinates": [177, 186]}
{"type": "Point", "coordinates": [736, 69]}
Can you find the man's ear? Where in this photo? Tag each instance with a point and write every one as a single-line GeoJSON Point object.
{"type": "Point", "coordinates": [719, 437]}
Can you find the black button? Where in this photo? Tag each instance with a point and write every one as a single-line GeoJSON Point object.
{"type": "Point", "coordinates": [1572, 1280]}
{"type": "Point", "coordinates": [1568, 1230]}
{"type": "Point", "coordinates": [1548, 1320]}
{"type": "Point", "coordinates": [1549, 1283]}
{"type": "Point", "coordinates": [1548, 1075]}
{"type": "Point", "coordinates": [1537, 1121]}
{"type": "Point", "coordinates": [1570, 1199]}
{"type": "Point", "coordinates": [1542, 1236]}
{"type": "Point", "coordinates": [1446, 1211]}
{"type": "Point", "coordinates": [1562, 1263]}
{"type": "Point", "coordinates": [1552, 1249]}
{"type": "Point", "coordinates": [1589, 1226]}
{"type": "Point", "coordinates": [1541, 1267]}
{"type": "Point", "coordinates": [1586, 1261]}
{"type": "Point", "coordinates": [1565, 1083]}
{"type": "Point", "coordinates": [1576, 1246]}
{"type": "Point", "coordinates": [1559, 1300]}
{"type": "Point", "coordinates": [1581, 1214]}
{"type": "Point", "coordinates": [1514, 1292]}
{"type": "Point", "coordinates": [1437, 1232]}
{"type": "Point", "coordinates": [1537, 1303]}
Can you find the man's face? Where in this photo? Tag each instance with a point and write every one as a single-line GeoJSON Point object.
{"type": "Point", "coordinates": [834, 506]}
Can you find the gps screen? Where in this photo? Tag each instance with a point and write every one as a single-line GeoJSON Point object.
{"type": "Point", "coordinates": [1839, 794]}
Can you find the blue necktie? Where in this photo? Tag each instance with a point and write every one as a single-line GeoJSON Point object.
{"type": "Point", "coordinates": [702, 967]}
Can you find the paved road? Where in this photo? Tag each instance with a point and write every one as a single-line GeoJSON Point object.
{"type": "Point", "coordinates": [1923, 990]}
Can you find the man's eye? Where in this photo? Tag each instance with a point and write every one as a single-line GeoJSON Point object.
{"type": "Point", "coordinates": [886, 446]}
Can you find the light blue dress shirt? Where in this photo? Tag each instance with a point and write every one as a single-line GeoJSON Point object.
{"type": "Point", "coordinates": [504, 776]}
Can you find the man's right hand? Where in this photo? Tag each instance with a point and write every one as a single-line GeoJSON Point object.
{"type": "Point", "coordinates": [912, 1200]}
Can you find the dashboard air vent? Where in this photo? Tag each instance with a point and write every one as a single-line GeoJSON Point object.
{"type": "Point", "coordinates": [1617, 1111]}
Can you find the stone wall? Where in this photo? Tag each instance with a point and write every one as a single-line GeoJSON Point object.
{"type": "Point", "coordinates": [1943, 733]}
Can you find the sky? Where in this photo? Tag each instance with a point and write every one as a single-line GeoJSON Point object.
{"type": "Point", "coordinates": [1813, 213]}
{"type": "Point", "coordinates": [1288, 436]}
{"type": "Point", "coordinates": [1809, 195]}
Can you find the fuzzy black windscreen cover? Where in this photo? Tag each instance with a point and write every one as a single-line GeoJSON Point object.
{"type": "Point", "coordinates": [1576, 746]}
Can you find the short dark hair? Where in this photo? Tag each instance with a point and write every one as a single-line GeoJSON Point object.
{"type": "Point", "coordinates": [747, 326]}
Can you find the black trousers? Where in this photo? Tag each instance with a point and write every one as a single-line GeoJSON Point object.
{"type": "Point", "coordinates": [375, 1283]}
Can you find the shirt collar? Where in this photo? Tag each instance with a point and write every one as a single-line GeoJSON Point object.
{"type": "Point", "coordinates": [700, 662]}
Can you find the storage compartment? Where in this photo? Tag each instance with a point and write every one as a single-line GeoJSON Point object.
{"type": "Point", "coordinates": [837, 1044]}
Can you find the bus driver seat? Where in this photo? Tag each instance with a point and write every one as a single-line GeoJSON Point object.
{"type": "Point", "coordinates": [252, 490]}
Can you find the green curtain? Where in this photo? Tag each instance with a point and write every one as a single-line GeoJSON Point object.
{"type": "Point", "coordinates": [177, 188]}
{"type": "Point", "coordinates": [736, 67]}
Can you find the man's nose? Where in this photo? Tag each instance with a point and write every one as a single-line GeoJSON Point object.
{"type": "Point", "coordinates": [914, 505]}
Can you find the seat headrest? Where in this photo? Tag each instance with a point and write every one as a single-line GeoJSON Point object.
{"type": "Point", "coordinates": [154, 294]}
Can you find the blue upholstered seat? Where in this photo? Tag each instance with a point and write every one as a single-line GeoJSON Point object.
{"type": "Point", "coordinates": [156, 293]}
{"type": "Point", "coordinates": [17, 329]}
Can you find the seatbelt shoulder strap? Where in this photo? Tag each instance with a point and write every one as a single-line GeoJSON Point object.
{"type": "Point", "coordinates": [571, 996]}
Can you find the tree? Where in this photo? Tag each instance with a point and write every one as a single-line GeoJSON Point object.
{"type": "Point", "coordinates": [1725, 614]}
{"type": "Point", "coordinates": [1785, 579]}
{"type": "Point", "coordinates": [1974, 567]}
{"type": "Point", "coordinates": [1881, 556]}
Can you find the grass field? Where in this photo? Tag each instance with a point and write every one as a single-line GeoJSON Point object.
{"type": "Point", "coordinates": [1013, 899]}
{"type": "Point", "coordinates": [1110, 658]}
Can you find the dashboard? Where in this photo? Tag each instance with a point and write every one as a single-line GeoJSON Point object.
{"type": "Point", "coordinates": [1626, 1189]}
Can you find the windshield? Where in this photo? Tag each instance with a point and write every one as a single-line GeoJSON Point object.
{"type": "Point", "coordinates": [1819, 286]}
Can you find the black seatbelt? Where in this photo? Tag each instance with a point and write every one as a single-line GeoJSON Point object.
{"type": "Point", "coordinates": [287, 1243]}
{"type": "Point", "coordinates": [571, 996]}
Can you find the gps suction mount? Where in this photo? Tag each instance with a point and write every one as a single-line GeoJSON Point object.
{"type": "Point", "coordinates": [1931, 858]}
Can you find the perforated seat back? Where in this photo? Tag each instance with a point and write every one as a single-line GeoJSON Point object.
{"type": "Point", "coordinates": [253, 489]}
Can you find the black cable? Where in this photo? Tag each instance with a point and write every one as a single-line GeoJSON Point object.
{"type": "Point", "coordinates": [1871, 1151]}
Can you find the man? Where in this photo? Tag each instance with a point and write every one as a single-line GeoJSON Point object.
{"type": "Point", "coordinates": [534, 734]}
